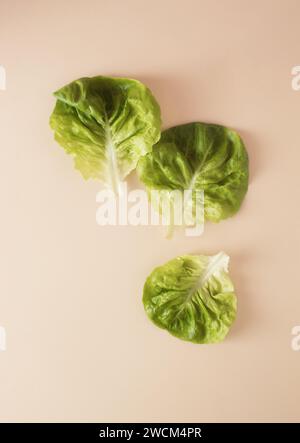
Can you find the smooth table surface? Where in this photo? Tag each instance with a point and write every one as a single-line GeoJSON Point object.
{"type": "Point", "coordinates": [79, 345]}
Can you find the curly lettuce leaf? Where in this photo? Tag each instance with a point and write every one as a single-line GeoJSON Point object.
{"type": "Point", "coordinates": [106, 124]}
{"type": "Point", "coordinates": [203, 157]}
{"type": "Point", "coordinates": [192, 297]}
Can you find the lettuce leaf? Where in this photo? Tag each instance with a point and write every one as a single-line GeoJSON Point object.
{"type": "Point", "coordinates": [200, 156]}
{"type": "Point", "coordinates": [106, 124]}
{"type": "Point", "coordinates": [192, 297]}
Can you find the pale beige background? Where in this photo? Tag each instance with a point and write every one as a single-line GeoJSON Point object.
{"type": "Point", "coordinates": [80, 347]}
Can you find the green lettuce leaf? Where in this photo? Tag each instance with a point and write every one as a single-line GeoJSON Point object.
{"type": "Point", "coordinates": [106, 124]}
{"type": "Point", "coordinates": [192, 297]}
{"type": "Point", "coordinates": [203, 157]}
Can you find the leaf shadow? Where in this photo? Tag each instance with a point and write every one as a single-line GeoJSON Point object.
{"type": "Point", "coordinates": [177, 103]}
{"type": "Point", "coordinates": [252, 146]}
{"type": "Point", "coordinates": [175, 99]}
{"type": "Point", "coordinates": [247, 317]}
